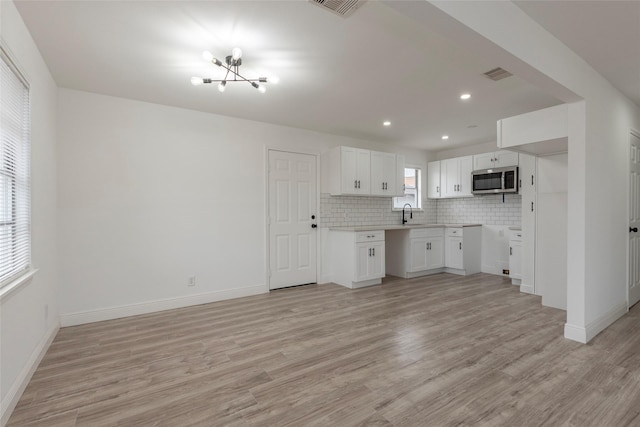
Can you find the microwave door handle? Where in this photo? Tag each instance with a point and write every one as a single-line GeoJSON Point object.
{"type": "Point", "coordinates": [502, 180]}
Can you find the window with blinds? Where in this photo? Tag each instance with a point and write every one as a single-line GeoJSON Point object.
{"type": "Point", "coordinates": [15, 194]}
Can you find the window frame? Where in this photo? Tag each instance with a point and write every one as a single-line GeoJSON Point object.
{"type": "Point", "coordinates": [15, 167]}
{"type": "Point", "coordinates": [419, 189]}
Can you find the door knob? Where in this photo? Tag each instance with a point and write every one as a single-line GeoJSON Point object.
{"type": "Point", "coordinates": [634, 229]}
{"type": "Point", "coordinates": [314, 225]}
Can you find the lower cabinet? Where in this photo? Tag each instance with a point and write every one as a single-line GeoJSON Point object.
{"type": "Point", "coordinates": [357, 257]}
{"type": "Point", "coordinates": [370, 261]}
{"type": "Point", "coordinates": [462, 250]}
{"type": "Point", "coordinates": [415, 252]}
{"type": "Point", "coordinates": [515, 257]}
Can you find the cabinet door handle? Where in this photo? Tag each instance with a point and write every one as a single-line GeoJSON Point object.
{"type": "Point", "coordinates": [510, 250]}
{"type": "Point", "coordinates": [460, 245]}
{"type": "Point", "coordinates": [531, 179]}
{"type": "Point", "coordinates": [373, 251]}
{"type": "Point", "coordinates": [437, 189]}
{"type": "Point", "coordinates": [531, 206]}
{"type": "Point", "coordinates": [355, 183]}
{"type": "Point", "coordinates": [369, 251]}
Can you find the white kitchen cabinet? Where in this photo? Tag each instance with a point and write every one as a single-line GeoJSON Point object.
{"type": "Point", "coordinates": [528, 191]}
{"type": "Point", "coordinates": [357, 257]}
{"type": "Point", "coordinates": [415, 252]}
{"type": "Point", "coordinates": [541, 132]}
{"type": "Point", "coordinates": [400, 175]}
{"type": "Point", "coordinates": [383, 174]}
{"type": "Point", "coordinates": [433, 180]}
{"type": "Point", "coordinates": [350, 171]}
{"type": "Point", "coordinates": [358, 172]}
{"type": "Point", "coordinates": [496, 159]}
{"type": "Point", "coordinates": [462, 250]}
{"type": "Point", "coordinates": [370, 261]}
{"type": "Point", "coordinates": [515, 256]}
{"type": "Point", "coordinates": [455, 177]}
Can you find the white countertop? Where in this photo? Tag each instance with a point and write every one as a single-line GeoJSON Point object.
{"type": "Point", "coordinates": [400, 227]}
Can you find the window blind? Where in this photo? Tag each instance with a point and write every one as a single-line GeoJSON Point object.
{"type": "Point", "coordinates": [15, 191]}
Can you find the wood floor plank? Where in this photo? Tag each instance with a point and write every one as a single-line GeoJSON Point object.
{"type": "Point", "coordinates": [442, 350]}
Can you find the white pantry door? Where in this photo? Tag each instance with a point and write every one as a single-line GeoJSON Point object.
{"type": "Point", "coordinates": [634, 222]}
{"type": "Point", "coordinates": [292, 219]}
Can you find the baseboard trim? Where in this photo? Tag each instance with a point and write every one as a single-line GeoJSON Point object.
{"type": "Point", "coordinates": [100, 315]}
{"type": "Point", "coordinates": [586, 334]}
{"type": "Point", "coordinates": [600, 324]}
{"type": "Point", "coordinates": [15, 392]}
{"type": "Point", "coordinates": [526, 289]}
{"type": "Point", "coordinates": [575, 333]}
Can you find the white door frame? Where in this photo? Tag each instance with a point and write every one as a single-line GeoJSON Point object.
{"type": "Point", "coordinates": [266, 209]}
{"type": "Point", "coordinates": [636, 133]}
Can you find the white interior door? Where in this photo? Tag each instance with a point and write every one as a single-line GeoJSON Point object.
{"type": "Point", "coordinates": [634, 222]}
{"type": "Point", "coordinates": [292, 219]}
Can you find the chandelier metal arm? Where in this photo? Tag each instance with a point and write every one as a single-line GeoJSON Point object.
{"type": "Point", "coordinates": [231, 65]}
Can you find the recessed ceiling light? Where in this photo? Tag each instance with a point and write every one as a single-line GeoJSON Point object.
{"type": "Point", "coordinates": [445, 137]}
{"type": "Point", "coordinates": [386, 123]}
{"type": "Point", "coordinates": [465, 96]}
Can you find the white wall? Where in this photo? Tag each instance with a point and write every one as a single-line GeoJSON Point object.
{"type": "Point", "coordinates": [143, 204]}
{"type": "Point", "coordinates": [25, 331]}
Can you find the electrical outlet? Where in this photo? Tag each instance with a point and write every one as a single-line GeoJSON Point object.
{"type": "Point", "coordinates": [192, 281]}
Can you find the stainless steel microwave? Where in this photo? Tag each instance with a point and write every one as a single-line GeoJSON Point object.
{"type": "Point", "coordinates": [494, 181]}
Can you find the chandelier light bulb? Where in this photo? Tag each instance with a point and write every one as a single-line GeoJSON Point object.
{"type": "Point", "coordinates": [262, 88]}
{"type": "Point", "coordinates": [465, 96]}
{"type": "Point", "coordinates": [274, 79]}
{"type": "Point", "coordinates": [196, 81]}
{"type": "Point", "coordinates": [222, 86]}
{"type": "Point", "coordinates": [236, 53]}
{"type": "Point", "coordinates": [208, 56]}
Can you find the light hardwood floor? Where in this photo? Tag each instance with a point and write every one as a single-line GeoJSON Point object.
{"type": "Point", "coordinates": [442, 350]}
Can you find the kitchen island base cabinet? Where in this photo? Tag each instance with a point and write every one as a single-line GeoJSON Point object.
{"type": "Point", "coordinates": [463, 247]}
{"type": "Point", "coordinates": [357, 257]}
{"type": "Point", "coordinates": [415, 252]}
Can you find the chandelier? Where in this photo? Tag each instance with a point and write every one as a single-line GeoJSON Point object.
{"type": "Point", "coordinates": [231, 64]}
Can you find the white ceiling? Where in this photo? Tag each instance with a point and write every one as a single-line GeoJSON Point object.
{"type": "Point", "coordinates": [606, 34]}
{"type": "Point", "coordinates": [341, 76]}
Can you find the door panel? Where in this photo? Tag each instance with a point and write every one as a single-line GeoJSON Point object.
{"type": "Point", "coordinates": [634, 221]}
{"type": "Point", "coordinates": [292, 203]}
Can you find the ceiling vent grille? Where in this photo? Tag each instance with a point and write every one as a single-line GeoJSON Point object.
{"type": "Point", "coordinates": [498, 74]}
{"type": "Point", "coordinates": [343, 8]}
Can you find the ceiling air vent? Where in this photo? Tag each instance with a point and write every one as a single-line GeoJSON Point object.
{"type": "Point", "coordinates": [498, 74]}
{"type": "Point", "coordinates": [339, 7]}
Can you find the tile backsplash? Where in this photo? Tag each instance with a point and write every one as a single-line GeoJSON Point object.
{"type": "Point", "coordinates": [353, 211]}
{"type": "Point", "coordinates": [486, 210]}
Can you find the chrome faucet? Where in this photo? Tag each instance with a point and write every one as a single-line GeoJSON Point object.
{"type": "Point", "coordinates": [404, 221]}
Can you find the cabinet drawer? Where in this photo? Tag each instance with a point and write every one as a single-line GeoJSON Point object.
{"type": "Point", "coordinates": [426, 232]}
{"type": "Point", "coordinates": [453, 232]}
{"type": "Point", "coordinates": [516, 236]}
{"type": "Point", "coordinates": [369, 236]}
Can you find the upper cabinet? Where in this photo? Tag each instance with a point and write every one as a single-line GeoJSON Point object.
{"type": "Point", "coordinates": [433, 180]}
{"type": "Point", "coordinates": [359, 172]}
{"type": "Point", "coordinates": [383, 174]}
{"type": "Point", "coordinates": [350, 171]}
{"type": "Point", "coordinates": [455, 177]}
{"type": "Point", "coordinates": [498, 159]}
{"type": "Point", "coordinates": [539, 132]}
